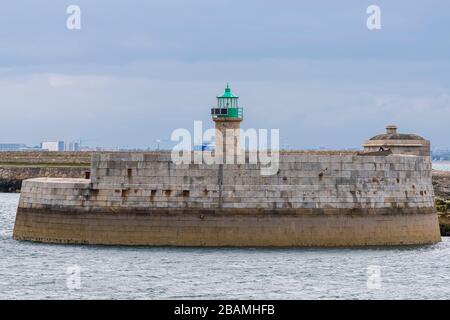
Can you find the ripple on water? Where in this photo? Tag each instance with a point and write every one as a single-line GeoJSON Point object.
{"type": "Point", "coordinates": [31, 270]}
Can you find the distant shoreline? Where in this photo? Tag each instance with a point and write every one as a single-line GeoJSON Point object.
{"type": "Point", "coordinates": [441, 165]}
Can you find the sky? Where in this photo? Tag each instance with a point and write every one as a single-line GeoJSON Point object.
{"type": "Point", "coordinates": [138, 70]}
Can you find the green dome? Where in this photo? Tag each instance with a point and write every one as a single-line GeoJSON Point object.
{"type": "Point", "coordinates": [227, 106]}
{"type": "Point", "coordinates": [227, 94]}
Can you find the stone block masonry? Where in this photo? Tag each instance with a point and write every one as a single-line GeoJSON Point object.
{"type": "Point", "coordinates": [315, 199]}
{"type": "Point", "coordinates": [11, 177]}
{"type": "Point", "coordinates": [198, 228]}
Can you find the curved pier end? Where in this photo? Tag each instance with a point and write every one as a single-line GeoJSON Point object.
{"type": "Point", "coordinates": [325, 199]}
{"type": "Point", "coordinates": [246, 229]}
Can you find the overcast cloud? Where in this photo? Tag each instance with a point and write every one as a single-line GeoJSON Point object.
{"type": "Point", "coordinates": [137, 70]}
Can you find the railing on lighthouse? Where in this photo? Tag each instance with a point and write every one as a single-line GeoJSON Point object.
{"type": "Point", "coordinates": [227, 106]}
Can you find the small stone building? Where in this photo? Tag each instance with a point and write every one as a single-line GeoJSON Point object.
{"type": "Point", "coordinates": [398, 143]}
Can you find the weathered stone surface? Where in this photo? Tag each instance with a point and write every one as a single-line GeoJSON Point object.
{"type": "Point", "coordinates": [398, 143]}
{"type": "Point", "coordinates": [441, 184]}
{"type": "Point", "coordinates": [316, 198]}
{"type": "Point", "coordinates": [227, 228]}
{"type": "Point", "coordinates": [11, 177]}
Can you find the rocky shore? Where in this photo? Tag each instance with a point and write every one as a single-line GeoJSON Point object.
{"type": "Point", "coordinates": [11, 177]}
{"type": "Point", "coordinates": [18, 166]}
{"type": "Point", "coordinates": [441, 185]}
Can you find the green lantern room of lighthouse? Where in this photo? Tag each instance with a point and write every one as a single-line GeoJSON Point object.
{"type": "Point", "coordinates": [227, 106]}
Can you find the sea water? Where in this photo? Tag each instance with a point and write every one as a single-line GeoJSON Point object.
{"type": "Point", "coordinates": [47, 271]}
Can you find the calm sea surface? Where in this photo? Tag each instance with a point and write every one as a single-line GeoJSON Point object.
{"type": "Point", "coordinates": [39, 271]}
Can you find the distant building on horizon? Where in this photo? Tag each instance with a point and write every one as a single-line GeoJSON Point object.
{"type": "Point", "coordinates": [53, 145]}
{"type": "Point", "coordinates": [72, 146]}
{"type": "Point", "coordinates": [12, 146]}
{"type": "Point", "coordinates": [440, 154]}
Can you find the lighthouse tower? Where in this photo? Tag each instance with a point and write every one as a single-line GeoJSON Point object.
{"type": "Point", "coordinates": [227, 117]}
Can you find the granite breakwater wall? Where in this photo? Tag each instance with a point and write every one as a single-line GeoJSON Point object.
{"type": "Point", "coordinates": [18, 166]}
{"type": "Point", "coordinates": [315, 199]}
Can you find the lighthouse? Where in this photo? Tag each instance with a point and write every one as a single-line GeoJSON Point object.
{"type": "Point", "coordinates": [227, 116]}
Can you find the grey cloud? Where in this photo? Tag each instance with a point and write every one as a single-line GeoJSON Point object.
{"type": "Point", "coordinates": [137, 70]}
